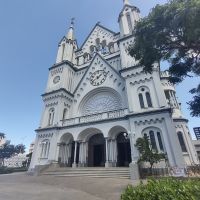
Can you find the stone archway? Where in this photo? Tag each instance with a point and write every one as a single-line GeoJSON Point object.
{"type": "Point", "coordinates": [96, 151]}
{"type": "Point", "coordinates": [120, 148]}
{"type": "Point", "coordinates": [91, 147]}
{"type": "Point", "coordinates": [123, 150]}
{"type": "Point", "coordinates": [66, 150]}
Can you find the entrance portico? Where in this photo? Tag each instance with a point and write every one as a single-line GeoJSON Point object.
{"type": "Point", "coordinates": [93, 149]}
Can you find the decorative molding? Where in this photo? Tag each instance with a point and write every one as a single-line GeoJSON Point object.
{"type": "Point", "coordinates": [56, 71]}
{"type": "Point", "coordinates": [51, 104]}
{"type": "Point", "coordinates": [45, 135]}
{"type": "Point", "coordinates": [101, 102]}
{"type": "Point", "coordinates": [149, 121]}
{"type": "Point", "coordinates": [141, 81]}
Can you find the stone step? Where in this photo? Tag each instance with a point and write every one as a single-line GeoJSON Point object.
{"type": "Point", "coordinates": [89, 172]}
{"type": "Point", "coordinates": [94, 176]}
{"type": "Point", "coordinates": [87, 169]}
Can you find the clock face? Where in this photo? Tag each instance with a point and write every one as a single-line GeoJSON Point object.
{"type": "Point", "coordinates": [98, 77]}
{"type": "Point", "coordinates": [56, 79]}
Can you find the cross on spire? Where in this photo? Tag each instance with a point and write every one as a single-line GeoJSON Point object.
{"type": "Point", "coordinates": [70, 34]}
{"type": "Point", "coordinates": [126, 2]}
{"type": "Point", "coordinates": [72, 22]}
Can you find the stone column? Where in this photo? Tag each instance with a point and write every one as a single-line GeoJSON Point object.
{"type": "Point", "coordinates": [134, 170]}
{"type": "Point", "coordinates": [67, 154]}
{"type": "Point", "coordinates": [115, 152]}
{"type": "Point", "coordinates": [112, 153]}
{"type": "Point", "coordinates": [80, 155]}
{"type": "Point", "coordinates": [107, 162]}
{"type": "Point", "coordinates": [75, 150]}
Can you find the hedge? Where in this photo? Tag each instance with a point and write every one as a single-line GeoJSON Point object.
{"type": "Point", "coordinates": [7, 170]}
{"type": "Point", "coordinates": [164, 189]}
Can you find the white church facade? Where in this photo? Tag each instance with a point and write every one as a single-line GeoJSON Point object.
{"type": "Point", "coordinates": [98, 101]}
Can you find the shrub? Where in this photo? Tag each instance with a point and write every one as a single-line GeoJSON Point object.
{"type": "Point", "coordinates": [164, 189]}
{"type": "Point", "coordinates": [7, 170]}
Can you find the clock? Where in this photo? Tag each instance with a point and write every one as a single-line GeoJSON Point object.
{"type": "Point", "coordinates": [56, 79]}
{"type": "Point", "coordinates": [98, 77]}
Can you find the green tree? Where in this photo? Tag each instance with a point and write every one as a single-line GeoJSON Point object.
{"type": "Point", "coordinates": [6, 151]}
{"type": "Point", "coordinates": [147, 153]}
{"type": "Point", "coordinates": [171, 32]}
{"type": "Point", "coordinates": [20, 148]}
{"type": "Point", "coordinates": [2, 135]}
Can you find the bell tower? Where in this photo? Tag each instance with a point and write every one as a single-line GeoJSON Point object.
{"type": "Point", "coordinates": [127, 18]}
{"type": "Point", "coordinates": [67, 46]}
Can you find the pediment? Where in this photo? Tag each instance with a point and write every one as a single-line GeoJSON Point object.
{"type": "Point", "coordinates": [108, 77]}
{"type": "Point", "coordinates": [100, 33]}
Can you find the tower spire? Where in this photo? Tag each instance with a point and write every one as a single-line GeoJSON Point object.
{"type": "Point", "coordinates": [126, 2]}
{"type": "Point", "coordinates": [70, 34]}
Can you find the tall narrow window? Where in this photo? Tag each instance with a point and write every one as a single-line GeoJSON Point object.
{"type": "Point", "coordinates": [129, 23]}
{"type": "Point", "coordinates": [149, 103]}
{"type": "Point", "coordinates": [51, 116]}
{"type": "Point", "coordinates": [141, 100]}
{"type": "Point", "coordinates": [160, 141]}
{"type": "Point", "coordinates": [63, 51]}
{"type": "Point", "coordinates": [153, 140]}
{"type": "Point", "coordinates": [182, 142]}
{"type": "Point", "coordinates": [64, 113]}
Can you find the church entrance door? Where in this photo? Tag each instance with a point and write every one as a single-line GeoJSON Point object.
{"type": "Point", "coordinates": [123, 151]}
{"type": "Point", "coordinates": [96, 151]}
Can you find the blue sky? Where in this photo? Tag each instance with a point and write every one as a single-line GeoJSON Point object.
{"type": "Point", "coordinates": [29, 33]}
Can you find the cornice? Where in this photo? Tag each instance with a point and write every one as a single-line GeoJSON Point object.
{"type": "Point", "coordinates": [56, 91]}
{"type": "Point", "coordinates": [180, 120]}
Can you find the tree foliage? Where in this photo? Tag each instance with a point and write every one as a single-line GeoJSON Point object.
{"type": "Point", "coordinates": [7, 150]}
{"type": "Point", "coordinates": [2, 135]}
{"type": "Point", "coordinates": [147, 153]}
{"type": "Point", "coordinates": [171, 32]}
{"type": "Point", "coordinates": [164, 189]}
{"type": "Point", "coordinates": [20, 148]}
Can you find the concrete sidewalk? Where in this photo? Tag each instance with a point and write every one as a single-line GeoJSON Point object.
{"type": "Point", "coordinates": [22, 187]}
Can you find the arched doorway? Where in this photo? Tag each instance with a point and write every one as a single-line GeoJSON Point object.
{"type": "Point", "coordinates": [66, 150]}
{"type": "Point", "coordinates": [96, 151]}
{"type": "Point", "coordinates": [123, 150]}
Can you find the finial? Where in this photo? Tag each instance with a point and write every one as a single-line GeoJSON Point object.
{"type": "Point", "coordinates": [72, 22]}
{"type": "Point", "coordinates": [70, 34]}
{"type": "Point", "coordinates": [126, 2]}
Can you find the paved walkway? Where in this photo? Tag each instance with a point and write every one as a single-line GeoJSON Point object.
{"type": "Point", "coordinates": [22, 187]}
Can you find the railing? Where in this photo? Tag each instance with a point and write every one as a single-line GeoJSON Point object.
{"type": "Point", "coordinates": [95, 117]}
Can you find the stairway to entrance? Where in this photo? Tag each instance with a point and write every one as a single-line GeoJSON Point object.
{"type": "Point", "coordinates": [92, 172]}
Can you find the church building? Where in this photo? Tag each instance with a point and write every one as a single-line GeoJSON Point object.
{"type": "Point", "coordinates": [98, 101]}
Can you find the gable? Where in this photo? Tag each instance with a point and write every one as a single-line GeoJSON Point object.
{"type": "Point", "coordinates": [98, 35]}
{"type": "Point", "coordinates": [108, 78]}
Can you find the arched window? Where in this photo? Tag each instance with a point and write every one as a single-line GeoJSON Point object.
{"type": "Point", "coordinates": [149, 103]}
{"type": "Point", "coordinates": [64, 113]}
{"type": "Point", "coordinates": [51, 116]}
{"type": "Point", "coordinates": [63, 51]}
{"type": "Point", "coordinates": [160, 141]}
{"type": "Point", "coordinates": [144, 97]}
{"type": "Point", "coordinates": [141, 100]}
{"type": "Point", "coordinates": [182, 142]}
{"type": "Point", "coordinates": [155, 138]}
{"type": "Point", "coordinates": [129, 23]}
{"type": "Point", "coordinates": [45, 146]}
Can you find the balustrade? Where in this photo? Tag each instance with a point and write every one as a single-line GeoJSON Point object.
{"type": "Point", "coordinates": [95, 117]}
